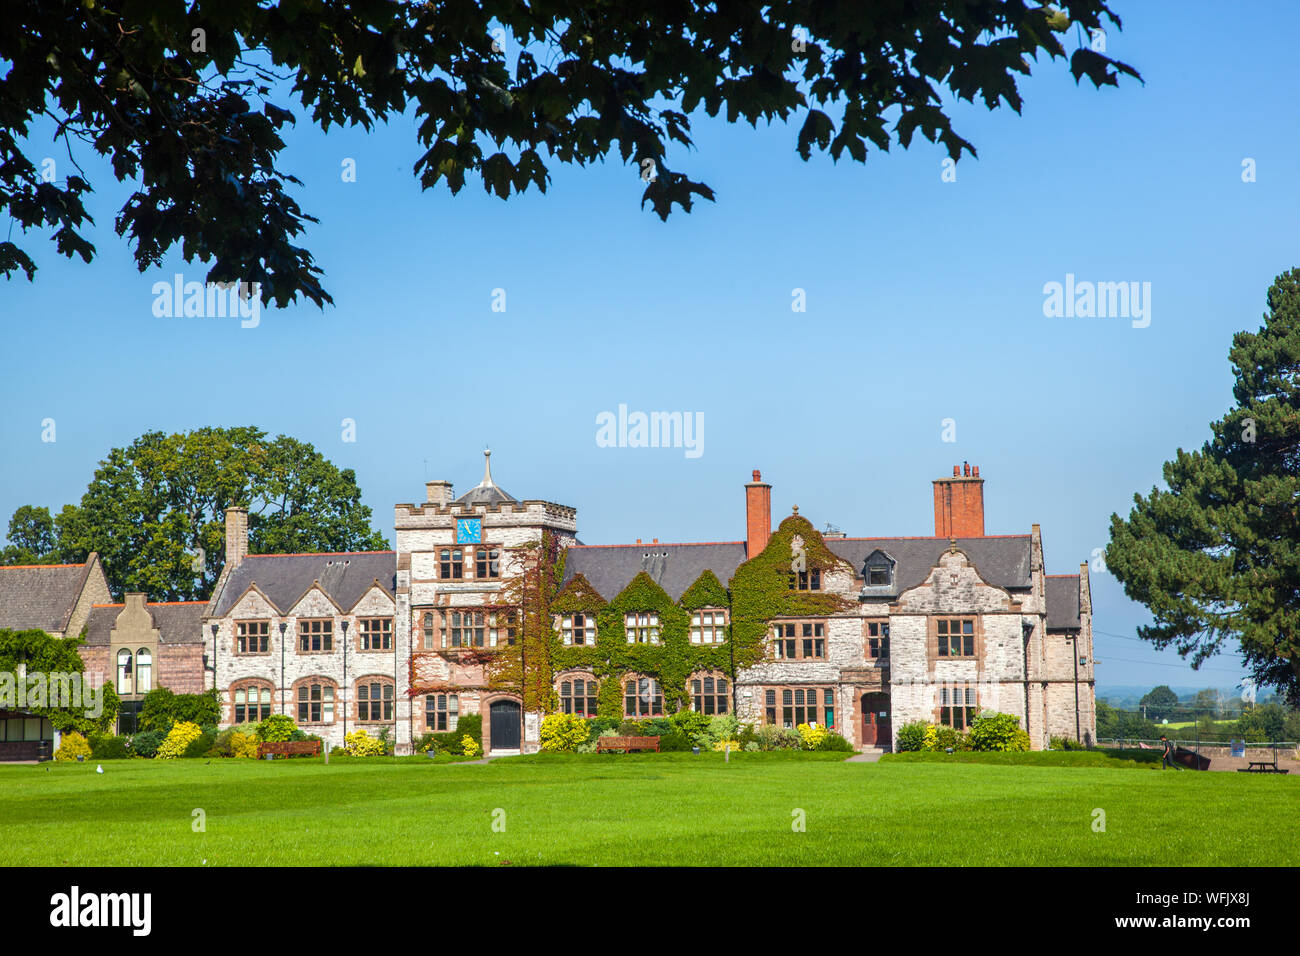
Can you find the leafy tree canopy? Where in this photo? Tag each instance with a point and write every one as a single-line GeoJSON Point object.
{"type": "Point", "coordinates": [1160, 702]}
{"type": "Point", "coordinates": [1216, 556]}
{"type": "Point", "coordinates": [186, 100]}
{"type": "Point", "coordinates": [155, 510]}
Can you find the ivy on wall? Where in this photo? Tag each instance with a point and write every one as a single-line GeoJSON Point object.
{"type": "Point", "coordinates": [760, 588]}
{"type": "Point", "coordinates": [760, 591]}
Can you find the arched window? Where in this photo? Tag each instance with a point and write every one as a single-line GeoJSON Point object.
{"type": "Point", "coordinates": [125, 683]}
{"type": "Point", "coordinates": [643, 697]}
{"type": "Point", "coordinates": [315, 701]}
{"type": "Point", "coordinates": [578, 695]}
{"type": "Point", "coordinates": [710, 694]}
{"type": "Point", "coordinates": [441, 712]}
{"type": "Point", "coordinates": [143, 671]}
{"type": "Point", "coordinates": [252, 702]}
{"type": "Point", "coordinates": [428, 630]}
{"type": "Point", "coordinates": [375, 699]}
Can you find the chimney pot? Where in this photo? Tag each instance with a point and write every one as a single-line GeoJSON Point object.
{"type": "Point", "coordinates": [758, 475]}
{"type": "Point", "coordinates": [965, 469]}
{"type": "Point", "coordinates": [975, 471]}
{"type": "Point", "coordinates": [956, 471]}
{"type": "Point", "coordinates": [654, 540]}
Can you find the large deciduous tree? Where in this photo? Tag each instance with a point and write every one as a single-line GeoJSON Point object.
{"type": "Point", "coordinates": [1216, 555]}
{"type": "Point", "coordinates": [155, 510]}
{"type": "Point", "coordinates": [186, 100]}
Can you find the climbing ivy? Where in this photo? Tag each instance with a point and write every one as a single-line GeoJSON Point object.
{"type": "Point", "coordinates": [760, 588]}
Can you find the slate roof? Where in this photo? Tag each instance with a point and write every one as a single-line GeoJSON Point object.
{"type": "Point", "coordinates": [609, 568]}
{"type": "Point", "coordinates": [178, 622]}
{"type": "Point", "coordinates": [284, 578]}
{"type": "Point", "coordinates": [484, 495]}
{"type": "Point", "coordinates": [40, 595]}
{"type": "Point", "coordinates": [1002, 561]}
{"type": "Point", "coordinates": [1063, 602]}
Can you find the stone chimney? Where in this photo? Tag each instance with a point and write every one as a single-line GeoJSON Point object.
{"type": "Point", "coordinates": [758, 515]}
{"type": "Point", "coordinates": [236, 536]}
{"type": "Point", "coordinates": [438, 492]}
{"type": "Point", "coordinates": [959, 504]}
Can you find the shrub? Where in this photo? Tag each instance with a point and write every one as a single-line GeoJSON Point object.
{"type": "Point", "coordinates": [109, 747]}
{"type": "Point", "coordinates": [182, 734]}
{"type": "Point", "coordinates": [629, 728]}
{"type": "Point", "coordinates": [200, 746]}
{"type": "Point", "coordinates": [675, 742]}
{"type": "Point", "coordinates": [278, 728]}
{"type": "Point", "coordinates": [562, 733]}
{"type": "Point", "coordinates": [993, 731]}
{"type": "Point", "coordinates": [469, 746]}
{"type": "Point", "coordinates": [689, 724]}
{"type": "Point", "coordinates": [471, 725]}
{"type": "Point", "coordinates": [161, 709]}
{"type": "Point", "coordinates": [834, 742]}
{"type": "Point", "coordinates": [911, 736]}
{"type": "Point", "coordinates": [657, 727]}
{"type": "Point", "coordinates": [777, 738]}
{"type": "Point", "coordinates": [1065, 743]}
{"type": "Point", "coordinates": [723, 727]}
{"type": "Point", "coordinates": [424, 743]}
{"type": "Point", "coordinates": [71, 746]}
{"type": "Point", "coordinates": [721, 745]}
{"type": "Point", "coordinates": [385, 738]}
{"type": "Point", "coordinates": [812, 736]}
{"type": "Point", "coordinates": [752, 747]}
{"type": "Point", "coordinates": [358, 743]}
{"type": "Point", "coordinates": [146, 743]}
{"type": "Point", "coordinates": [243, 745]}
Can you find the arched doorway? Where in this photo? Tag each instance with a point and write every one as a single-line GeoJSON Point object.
{"type": "Point", "coordinates": [505, 721]}
{"type": "Point", "coordinates": [876, 731]}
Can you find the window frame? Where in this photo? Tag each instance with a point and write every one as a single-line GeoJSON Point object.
{"type": "Point", "coordinates": [365, 637]}
{"type": "Point", "coordinates": [703, 696]}
{"type": "Point", "coordinates": [638, 632]}
{"type": "Point", "coordinates": [326, 703]}
{"type": "Point", "coordinates": [717, 632]}
{"type": "Point", "coordinates": [796, 646]}
{"type": "Point", "coordinates": [448, 714]}
{"type": "Point", "coordinates": [310, 634]}
{"type": "Point", "coordinates": [655, 706]}
{"type": "Point", "coordinates": [251, 684]}
{"type": "Point", "coordinates": [941, 638]}
{"type": "Point", "coordinates": [387, 703]}
{"type": "Point", "coordinates": [239, 638]}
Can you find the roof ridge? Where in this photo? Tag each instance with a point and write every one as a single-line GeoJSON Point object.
{"type": "Point", "coordinates": [927, 537]}
{"type": "Point", "coordinates": [1060, 575]}
{"type": "Point", "coordinates": [17, 567]}
{"type": "Point", "coordinates": [312, 554]}
{"type": "Point", "coordinates": [656, 544]}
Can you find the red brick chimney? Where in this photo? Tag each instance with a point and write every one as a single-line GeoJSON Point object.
{"type": "Point", "coordinates": [959, 504]}
{"type": "Point", "coordinates": [758, 515]}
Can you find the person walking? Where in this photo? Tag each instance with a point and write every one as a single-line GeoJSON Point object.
{"type": "Point", "coordinates": [1167, 758]}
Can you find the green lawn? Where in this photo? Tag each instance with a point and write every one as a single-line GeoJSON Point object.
{"type": "Point", "coordinates": [676, 809]}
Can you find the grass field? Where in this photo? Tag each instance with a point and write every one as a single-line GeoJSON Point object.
{"type": "Point", "coordinates": [674, 809]}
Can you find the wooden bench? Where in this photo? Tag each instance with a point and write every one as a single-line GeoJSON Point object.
{"type": "Point", "coordinates": [289, 748]}
{"type": "Point", "coordinates": [627, 744]}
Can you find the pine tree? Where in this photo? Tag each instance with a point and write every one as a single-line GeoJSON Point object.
{"type": "Point", "coordinates": [1216, 556]}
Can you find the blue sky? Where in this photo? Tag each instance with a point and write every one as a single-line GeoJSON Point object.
{"type": "Point", "coordinates": [924, 302]}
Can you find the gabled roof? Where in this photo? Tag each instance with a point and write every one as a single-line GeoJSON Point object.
{"type": "Point", "coordinates": [178, 622]}
{"type": "Point", "coordinates": [284, 578]}
{"type": "Point", "coordinates": [40, 596]}
{"type": "Point", "coordinates": [609, 568]}
{"type": "Point", "coordinates": [1002, 561]}
{"type": "Point", "coordinates": [1063, 602]}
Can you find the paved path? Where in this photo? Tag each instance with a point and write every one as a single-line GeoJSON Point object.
{"type": "Point", "coordinates": [867, 756]}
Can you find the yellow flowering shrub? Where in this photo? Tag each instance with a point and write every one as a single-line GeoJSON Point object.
{"type": "Point", "coordinates": [721, 745]}
{"type": "Point", "coordinates": [361, 744]}
{"type": "Point", "coordinates": [469, 745]}
{"type": "Point", "coordinates": [564, 732]}
{"type": "Point", "coordinates": [71, 746]}
{"type": "Point", "coordinates": [243, 745]}
{"type": "Point", "coordinates": [183, 733]}
{"type": "Point", "coordinates": [812, 735]}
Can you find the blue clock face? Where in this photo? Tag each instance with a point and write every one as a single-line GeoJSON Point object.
{"type": "Point", "coordinates": [469, 530]}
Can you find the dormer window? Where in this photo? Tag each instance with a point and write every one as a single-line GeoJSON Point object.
{"type": "Point", "coordinates": [806, 580]}
{"type": "Point", "coordinates": [879, 570]}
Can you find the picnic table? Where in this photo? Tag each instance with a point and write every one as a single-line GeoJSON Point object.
{"type": "Point", "coordinates": [1263, 766]}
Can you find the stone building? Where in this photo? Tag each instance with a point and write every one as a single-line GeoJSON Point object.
{"type": "Point", "coordinates": [144, 645]}
{"type": "Point", "coordinates": [783, 627]}
{"type": "Point", "coordinates": [308, 635]}
{"type": "Point", "coordinates": [57, 599]}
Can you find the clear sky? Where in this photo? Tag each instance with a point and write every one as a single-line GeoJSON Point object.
{"type": "Point", "coordinates": [924, 303]}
